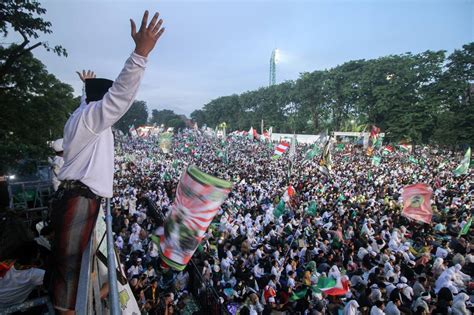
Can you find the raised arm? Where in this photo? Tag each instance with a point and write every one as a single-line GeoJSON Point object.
{"type": "Point", "coordinates": [101, 115]}
{"type": "Point", "coordinates": [84, 76]}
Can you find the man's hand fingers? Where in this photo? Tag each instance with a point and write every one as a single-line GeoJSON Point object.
{"type": "Point", "coordinates": [157, 26]}
{"type": "Point", "coordinates": [80, 75]}
{"type": "Point", "coordinates": [133, 27]}
{"type": "Point", "coordinates": [153, 21]}
{"type": "Point", "coordinates": [160, 33]}
{"type": "Point", "coordinates": [144, 21]}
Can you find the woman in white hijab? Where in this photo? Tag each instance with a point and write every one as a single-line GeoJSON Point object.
{"type": "Point", "coordinates": [351, 308]}
{"type": "Point", "coordinates": [445, 281]}
{"type": "Point", "coordinates": [459, 277]}
{"type": "Point", "coordinates": [334, 272]}
{"type": "Point", "coordinates": [459, 304]}
{"type": "Point", "coordinates": [438, 267]}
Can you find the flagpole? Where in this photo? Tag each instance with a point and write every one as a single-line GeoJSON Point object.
{"type": "Point", "coordinates": [261, 127]}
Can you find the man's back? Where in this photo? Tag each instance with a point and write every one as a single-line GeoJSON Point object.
{"type": "Point", "coordinates": [16, 285]}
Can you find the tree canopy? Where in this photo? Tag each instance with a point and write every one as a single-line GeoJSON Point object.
{"type": "Point", "coordinates": [137, 115]}
{"type": "Point", "coordinates": [423, 98]}
{"type": "Point", "coordinates": [35, 106]}
{"type": "Point", "coordinates": [24, 18]}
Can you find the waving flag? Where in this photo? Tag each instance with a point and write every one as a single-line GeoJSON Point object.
{"type": "Point", "coordinates": [165, 142]}
{"type": "Point", "coordinates": [463, 168]}
{"type": "Point", "coordinates": [279, 209]}
{"type": "Point", "coordinates": [280, 149]}
{"type": "Point", "coordinates": [311, 153]}
{"type": "Point", "coordinates": [416, 202]}
{"type": "Point", "coordinates": [312, 209]}
{"type": "Point", "coordinates": [404, 147]}
{"type": "Point", "coordinates": [326, 159]}
{"type": "Point", "coordinates": [376, 160]}
{"type": "Point", "coordinates": [198, 198]}
{"type": "Point", "coordinates": [374, 134]}
{"type": "Point", "coordinates": [387, 150]}
{"type": "Point", "coordinates": [465, 229]}
{"type": "Point", "coordinates": [330, 286]}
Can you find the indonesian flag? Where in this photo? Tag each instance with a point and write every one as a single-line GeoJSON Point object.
{"type": "Point", "coordinates": [280, 149]}
{"type": "Point", "coordinates": [387, 149]}
{"type": "Point", "coordinates": [416, 202]}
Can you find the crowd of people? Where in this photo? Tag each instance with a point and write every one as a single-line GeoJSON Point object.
{"type": "Point", "coordinates": [255, 261]}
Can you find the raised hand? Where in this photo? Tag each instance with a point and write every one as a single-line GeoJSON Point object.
{"type": "Point", "coordinates": [147, 36]}
{"type": "Point", "coordinates": [86, 75]}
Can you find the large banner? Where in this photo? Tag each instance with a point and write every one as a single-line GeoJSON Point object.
{"type": "Point", "coordinates": [165, 141]}
{"type": "Point", "coordinates": [417, 202]}
{"type": "Point", "coordinates": [198, 198]}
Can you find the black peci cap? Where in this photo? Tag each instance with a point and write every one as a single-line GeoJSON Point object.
{"type": "Point", "coordinates": [96, 89]}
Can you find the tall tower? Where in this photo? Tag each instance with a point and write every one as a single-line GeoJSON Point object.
{"type": "Point", "coordinates": [273, 62]}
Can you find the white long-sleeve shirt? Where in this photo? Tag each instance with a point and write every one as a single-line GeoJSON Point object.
{"type": "Point", "coordinates": [88, 140]}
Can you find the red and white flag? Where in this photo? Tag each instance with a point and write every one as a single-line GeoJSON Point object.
{"type": "Point", "coordinates": [417, 202]}
{"type": "Point", "coordinates": [280, 149]}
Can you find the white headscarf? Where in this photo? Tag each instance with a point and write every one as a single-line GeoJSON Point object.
{"type": "Point", "coordinates": [351, 308]}
{"type": "Point", "coordinates": [459, 304]}
{"type": "Point", "coordinates": [334, 272]}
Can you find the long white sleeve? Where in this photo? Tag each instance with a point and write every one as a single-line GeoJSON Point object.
{"type": "Point", "coordinates": [101, 115]}
{"type": "Point", "coordinates": [88, 141]}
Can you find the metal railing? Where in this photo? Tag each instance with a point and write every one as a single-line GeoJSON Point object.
{"type": "Point", "coordinates": [88, 288]}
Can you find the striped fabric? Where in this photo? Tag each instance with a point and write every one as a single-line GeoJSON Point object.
{"type": "Point", "coordinates": [198, 198]}
{"type": "Point", "coordinates": [72, 219]}
{"type": "Point", "coordinates": [280, 149]}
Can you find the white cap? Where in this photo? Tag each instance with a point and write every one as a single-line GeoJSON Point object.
{"type": "Point", "coordinates": [58, 145]}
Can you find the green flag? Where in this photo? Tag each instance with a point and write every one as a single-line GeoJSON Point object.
{"type": "Point", "coordinates": [465, 228]}
{"type": "Point", "coordinates": [279, 209]}
{"type": "Point", "coordinates": [312, 209]}
{"type": "Point", "coordinates": [463, 168]}
{"type": "Point", "coordinates": [376, 160]}
{"type": "Point", "coordinates": [412, 159]}
{"type": "Point", "coordinates": [340, 147]}
{"type": "Point", "coordinates": [298, 295]}
{"type": "Point", "coordinates": [369, 175]}
{"type": "Point", "coordinates": [311, 153]}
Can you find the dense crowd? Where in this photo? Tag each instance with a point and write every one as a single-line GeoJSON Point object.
{"type": "Point", "coordinates": [256, 262]}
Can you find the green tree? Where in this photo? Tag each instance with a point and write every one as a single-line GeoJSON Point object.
{"type": "Point", "coordinates": [34, 106]}
{"type": "Point", "coordinates": [456, 111]}
{"type": "Point", "coordinates": [24, 18]}
{"type": "Point", "coordinates": [176, 123]}
{"type": "Point", "coordinates": [137, 115]}
{"type": "Point", "coordinates": [162, 117]}
{"type": "Point", "coordinates": [199, 116]}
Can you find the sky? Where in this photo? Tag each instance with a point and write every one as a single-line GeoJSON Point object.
{"type": "Point", "coordinates": [221, 47]}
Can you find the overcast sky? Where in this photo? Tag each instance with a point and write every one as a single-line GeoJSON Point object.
{"type": "Point", "coordinates": [216, 48]}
